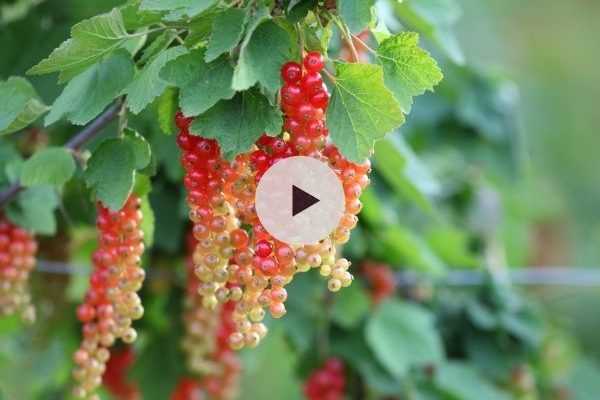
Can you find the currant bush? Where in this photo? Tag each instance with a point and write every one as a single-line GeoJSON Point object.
{"type": "Point", "coordinates": [112, 302]}
{"type": "Point", "coordinates": [206, 339]}
{"type": "Point", "coordinates": [17, 259]}
{"type": "Point", "coordinates": [326, 383]}
{"type": "Point", "coordinates": [235, 259]}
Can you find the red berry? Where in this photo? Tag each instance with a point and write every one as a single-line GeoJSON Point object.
{"type": "Point", "coordinates": [320, 99]}
{"type": "Point", "coordinates": [291, 72]}
{"type": "Point", "coordinates": [291, 94]}
{"type": "Point", "coordinates": [263, 248]}
{"type": "Point", "coordinates": [314, 62]}
{"type": "Point", "coordinates": [311, 83]}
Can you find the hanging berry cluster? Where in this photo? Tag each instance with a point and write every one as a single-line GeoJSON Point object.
{"type": "Point", "coordinates": [236, 259]}
{"type": "Point", "coordinates": [326, 383]}
{"type": "Point", "coordinates": [17, 258]}
{"type": "Point", "coordinates": [112, 302]}
{"type": "Point", "coordinates": [206, 338]}
{"type": "Point", "coordinates": [115, 378]}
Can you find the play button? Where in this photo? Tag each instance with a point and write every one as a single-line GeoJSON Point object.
{"type": "Point", "coordinates": [300, 200]}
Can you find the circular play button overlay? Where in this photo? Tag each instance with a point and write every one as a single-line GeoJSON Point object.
{"type": "Point", "coordinates": [300, 200]}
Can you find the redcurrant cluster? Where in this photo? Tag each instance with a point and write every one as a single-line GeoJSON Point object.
{"type": "Point", "coordinates": [188, 389]}
{"type": "Point", "coordinates": [206, 339]}
{"type": "Point", "coordinates": [115, 377]}
{"type": "Point", "coordinates": [17, 259]}
{"type": "Point", "coordinates": [112, 302]}
{"type": "Point", "coordinates": [326, 383]}
{"type": "Point", "coordinates": [381, 279]}
{"type": "Point", "coordinates": [235, 259]}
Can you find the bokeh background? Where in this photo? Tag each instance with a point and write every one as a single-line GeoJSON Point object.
{"type": "Point", "coordinates": [484, 206]}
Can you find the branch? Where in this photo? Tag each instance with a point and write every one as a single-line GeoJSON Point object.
{"type": "Point", "coordinates": [75, 143]}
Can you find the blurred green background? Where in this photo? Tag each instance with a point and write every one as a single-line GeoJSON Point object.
{"type": "Point", "coordinates": [499, 173]}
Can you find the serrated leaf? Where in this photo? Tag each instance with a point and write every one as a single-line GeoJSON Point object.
{"type": "Point", "coordinates": [355, 13]}
{"type": "Point", "coordinates": [178, 8]}
{"type": "Point", "coordinates": [148, 85]}
{"type": "Point", "coordinates": [135, 18]}
{"type": "Point", "coordinates": [403, 335]}
{"type": "Point", "coordinates": [141, 148]}
{"type": "Point", "coordinates": [34, 208]}
{"type": "Point", "coordinates": [89, 93]}
{"type": "Point", "coordinates": [265, 48]}
{"type": "Point", "coordinates": [90, 41]}
{"type": "Point", "coordinates": [434, 19]}
{"type": "Point", "coordinates": [408, 70]}
{"type": "Point", "coordinates": [110, 172]}
{"type": "Point", "coordinates": [227, 31]}
{"type": "Point", "coordinates": [362, 110]}
{"type": "Point", "coordinates": [160, 43]}
{"type": "Point", "coordinates": [239, 122]}
{"type": "Point", "coordinates": [166, 108]}
{"type": "Point", "coordinates": [201, 85]}
{"type": "Point", "coordinates": [200, 28]}
{"type": "Point", "coordinates": [51, 166]}
{"type": "Point", "coordinates": [20, 105]}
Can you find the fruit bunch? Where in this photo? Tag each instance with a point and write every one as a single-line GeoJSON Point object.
{"type": "Point", "coordinates": [326, 383]}
{"type": "Point", "coordinates": [115, 377]}
{"type": "Point", "coordinates": [188, 389]}
{"type": "Point", "coordinates": [206, 339]}
{"type": "Point", "coordinates": [381, 280]}
{"type": "Point", "coordinates": [112, 302]}
{"type": "Point", "coordinates": [236, 260]}
{"type": "Point", "coordinates": [17, 259]}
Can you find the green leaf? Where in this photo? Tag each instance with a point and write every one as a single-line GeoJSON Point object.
{"type": "Point", "coordinates": [434, 19]}
{"type": "Point", "coordinates": [462, 381]}
{"type": "Point", "coordinates": [200, 29]}
{"type": "Point", "coordinates": [239, 122]}
{"type": "Point", "coordinates": [89, 93]}
{"type": "Point", "coordinates": [453, 246]}
{"type": "Point", "coordinates": [405, 173]}
{"type": "Point", "coordinates": [110, 172]}
{"type": "Point", "coordinates": [178, 8]}
{"type": "Point", "coordinates": [90, 41]}
{"type": "Point", "coordinates": [201, 85]}
{"type": "Point", "coordinates": [227, 31]}
{"type": "Point", "coordinates": [159, 44]}
{"type": "Point", "coordinates": [148, 85]}
{"type": "Point", "coordinates": [350, 306]}
{"type": "Point", "coordinates": [355, 13]}
{"type": "Point", "coordinates": [408, 70]}
{"type": "Point", "coordinates": [141, 148]}
{"type": "Point", "coordinates": [258, 367]}
{"type": "Point", "coordinates": [403, 246]}
{"type": "Point", "coordinates": [148, 222]}
{"type": "Point", "coordinates": [266, 47]}
{"type": "Point", "coordinates": [134, 18]}
{"type": "Point", "coordinates": [20, 105]}
{"type": "Point", "coordinates": [403, 335]}
{"type": "Point", "coordinates": [362, 110]}
{"type": "Point", "coordinates": [34, 209]}
{"type": "Point", "coordinates": [166, 108]}
{"type": "Point", "coordinates": [51, 166]}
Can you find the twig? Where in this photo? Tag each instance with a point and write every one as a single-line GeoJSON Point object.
{"type": "Point", "coordinates": [347, 38]}
{"type": "Point", "coordinates": [86, 134]}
